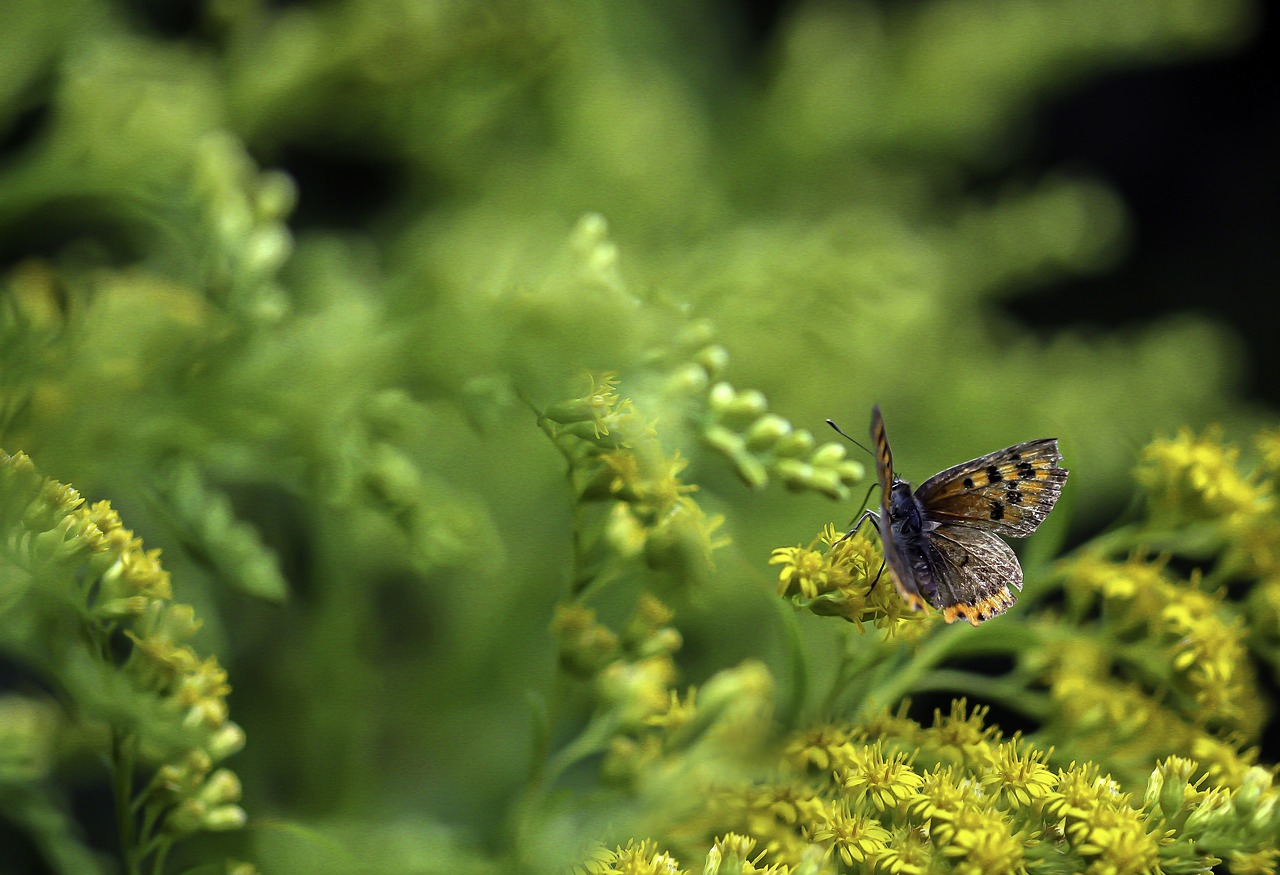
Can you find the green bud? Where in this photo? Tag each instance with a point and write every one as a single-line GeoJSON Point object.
{"type": "Point", "coordinates": [767, 431]}
{"type": "Point", "coordinates": [714, 358]}
{"type": "Point", "coordinates": [794, 473]}
{"type": "Point", "coordinates": [799, 443]}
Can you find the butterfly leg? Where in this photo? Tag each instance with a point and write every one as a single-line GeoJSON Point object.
{"type": "Point", "coordinates": [866, 515]}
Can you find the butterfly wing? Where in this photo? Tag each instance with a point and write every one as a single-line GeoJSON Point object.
{"type": "Point", "coordinates": [973, 572]}
{"type": "Point", "coordinates": [1010, 491]}
{"type": "Point", "coordinates": [884, 456]}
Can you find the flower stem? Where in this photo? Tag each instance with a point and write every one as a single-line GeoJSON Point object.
{"type": "Point", "coordinates": [122, 785]}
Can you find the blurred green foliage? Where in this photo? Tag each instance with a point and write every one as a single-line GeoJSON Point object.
{"type": "Point", "coordinates": [331, 426]}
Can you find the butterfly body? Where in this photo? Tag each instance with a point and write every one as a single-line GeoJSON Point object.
{"type": "Point", "coordinates": [941, 542]}
{"type": "Point", "coordinates": [902, 523]}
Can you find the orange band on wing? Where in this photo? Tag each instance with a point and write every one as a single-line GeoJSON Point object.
{"type": "Point", "coordinates": [989, 607]}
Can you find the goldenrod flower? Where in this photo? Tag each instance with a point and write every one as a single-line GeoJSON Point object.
{"type": "Point", "coordinates": [586, 645]}
{"type": "Point", "coordinates": [1017, 776]}
{"type": "Point", "coordinates": [847, 579]}
{"type": "Point", "coordinates": [1260, 862]}
{"type": "Point", "coordinates": [981, 843]}
{"type": "Point", "coordinates": [852, 836]}
{"type": "Point", "coordinates": [1170, 790]}
{"type": "Point", "coordinates": [732, 855]}
{"type": "Point", "coordinates": [636, 691]}
{"type": "Point", "coordinates": [864, 771]}
{"type": "Point", "coordinates": [128, 625]}
{"type": "Point", "coordinates": [962, 732]}
{"type": "Point", "coordinates": [683, 538]}
{"type": "Point", "coordinates": [815, 747]}
{"type": "Point", "coordinates": [1117, 840]}
{"type": "Point", "coordinates": [907, 852]}
{"type": "Point", "coordinates": [945, 795]}
{"type": "Point", "coordinates": [1082, 790]}
{"type": "Point", "coordinates": [642, 858]}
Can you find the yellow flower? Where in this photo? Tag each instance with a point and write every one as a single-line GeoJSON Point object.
{"type": "Point", "coordinates": [864, 771]}
{"type": "Point", "coordinates": [981, 843]}
{"type": "Point", "coordinates": [633, 859]}
{"type": "Point", "coordinates": [1018, 777]}
{"type": "Point", "coordinates": [946, 796]}
{"type": "Point", "coordinates": [585, 644]}
{"type": "Point", "coordinates": [1170, 790]}
{"type": "Point", "coordinates": [637, 690]}
{"type": "Point", "coordinates": [854, 837]}
{"type": "Point", "coordinates": [847, 580]}
{"type": "Point", "coordinates": [683, 538]}
{"type": "Point", "coordinates": [963, 732]}
{"type": "Point", "coordinates": [815, 747]}
{"type": "Point", "coordinates": [908, 852]}
{"type": "Point", "coordinates": [1224, 764]}
{"type": "Point", "coordinates": [805, 571]}
{"type": "Point", "coordinates": [1082, 790]}
{"type": "Point", "coordinates": [1268, 444]}
{"type": "Point", "coordinates": [1117, 841]}
{"type": "Point", "coordinates": [893, 725]}
{"type": "Point", "coordinates": [731, 855]}
{"type": "Point", "coordinates": [1207, 652]}
{"type": "Point", "coordinates": [1259, 862]}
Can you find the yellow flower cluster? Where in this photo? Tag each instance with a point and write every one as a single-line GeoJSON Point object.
{"type": "Point", "coordinates": [847, 578]}
{"type": "Point", "coordinates": [1192, 644]}
{"type": "Point", "coordinates": [1190, 478]}
{"type": "Point", "coordinates": [730, 855]}
{"type": "Point", "coordinates": [615, 460]}
{"type": "Point", "coordinates": [893, 796]}
{"type": "Point", "coordinates": [655, 741]}
{"type": "Point", "coordinates": [61, 556]}
{"type": "Point", "coordinates": [1092, 715]}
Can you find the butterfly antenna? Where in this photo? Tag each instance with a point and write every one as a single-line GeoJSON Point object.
{"type": "Point", "coordinates": [842, 434]}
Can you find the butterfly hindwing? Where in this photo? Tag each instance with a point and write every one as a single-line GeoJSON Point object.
{"type": "Point", "coordinates": [1010, 491]}
{"type": "Point", "coordinates": [975, 570]}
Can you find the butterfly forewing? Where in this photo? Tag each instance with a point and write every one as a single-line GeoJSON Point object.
{"type": "Point", "coordinates": [1010, 491]}
{"type": "Point", "coordinates": [884, 456]}
{"type": "Point", "coordinates": [975, 570]}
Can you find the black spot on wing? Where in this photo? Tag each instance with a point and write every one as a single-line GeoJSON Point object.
{"type": "Point", "coordinates": [997, 510]}
{"type": "Point", "coordinates": [993, 474]}
{"type": "Point", "coordinates": [968, 483]}
{"type": "Point", "coordinates": [1026, 471]}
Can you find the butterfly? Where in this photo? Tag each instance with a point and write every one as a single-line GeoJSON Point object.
{"type": "Point", "coordinates": [942, 542]}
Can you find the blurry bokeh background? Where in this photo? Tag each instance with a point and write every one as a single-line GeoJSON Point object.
{"type": "Point", "coordinates": [319, 258]}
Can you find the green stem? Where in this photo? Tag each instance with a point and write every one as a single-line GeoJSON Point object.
{"type": "Point", "coordinates": [162, 852]}
{"type": "Point", "coordinates": [591, 740]}
{"type": "Point", "coordinates": [122, 785]}
{"type": "Point", "coordinates": [854, 675]}
{"type": "Point", "coordinates": [789, 714]}
{"type": "Point", "coordinates": [893, 681]}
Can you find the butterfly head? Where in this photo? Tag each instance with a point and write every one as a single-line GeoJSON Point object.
{"type": "Point", "coordinates": [901, 506]}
